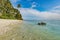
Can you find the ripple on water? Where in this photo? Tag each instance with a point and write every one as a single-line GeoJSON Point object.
{"type": "Point", "coordinates": [28, 31]}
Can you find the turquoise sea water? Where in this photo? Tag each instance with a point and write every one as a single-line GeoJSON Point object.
{"type": "Point", "coordinates": [29, 30]}
{"type": "Point", "coordinates": [51, 31]}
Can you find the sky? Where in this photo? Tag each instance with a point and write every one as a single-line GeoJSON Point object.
{"type": "Point", "coordinates": [38, 9]}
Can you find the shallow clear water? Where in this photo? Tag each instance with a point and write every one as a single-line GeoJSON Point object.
{"type": "Point", "coordinates": [29, 30]}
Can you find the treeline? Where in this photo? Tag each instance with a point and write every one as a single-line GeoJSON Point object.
{"type": "Point", "coordinates": [8, 12]}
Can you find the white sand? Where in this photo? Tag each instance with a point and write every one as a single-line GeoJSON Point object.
{"type": "Point", "coordinates": [4, 25]}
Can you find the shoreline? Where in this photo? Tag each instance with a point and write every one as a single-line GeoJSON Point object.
{"type": "Point", "coordinates": [4, 25]}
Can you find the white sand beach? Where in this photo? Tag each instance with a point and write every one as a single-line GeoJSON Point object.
{"type": "Point", "coordinates": [4, 25]}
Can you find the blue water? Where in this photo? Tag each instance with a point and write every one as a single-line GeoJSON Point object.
{"type": "Point", "coordinates": [51, 31]}
{"type": "Point", "coordinates": [29, 30]}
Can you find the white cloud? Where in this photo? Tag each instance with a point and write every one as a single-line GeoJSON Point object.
{"type": "Point", "coordinates": [27, 12]}
{"type": "Point", "coordinates": [56, 9]}
{"type": "Point", "coordinates": [34, 4]}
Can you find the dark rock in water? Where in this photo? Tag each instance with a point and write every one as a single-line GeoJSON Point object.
{"type": "Point", "coordinates": [42, 23]}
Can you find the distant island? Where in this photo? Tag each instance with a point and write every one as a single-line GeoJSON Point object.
{"type": "Point", "coordinates": [7, 11]}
